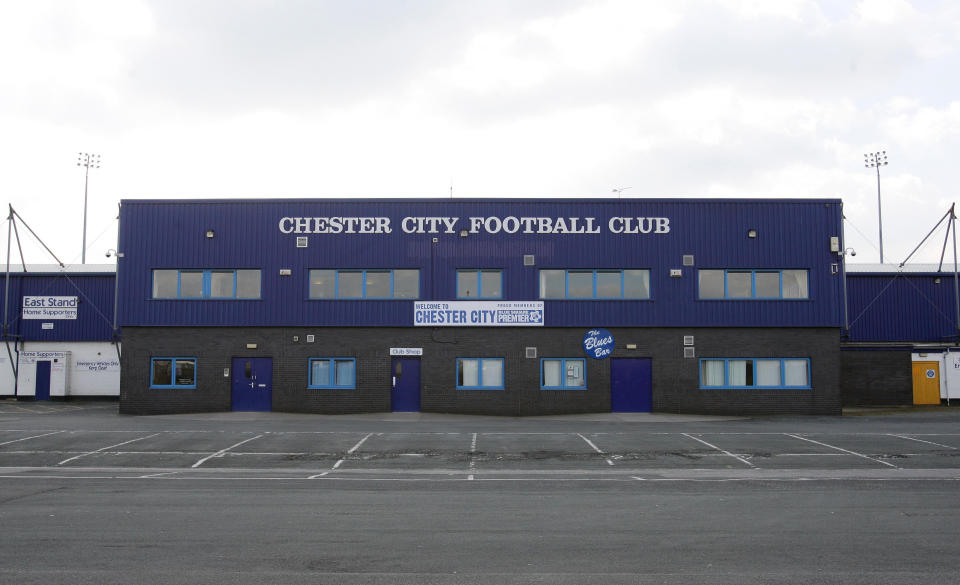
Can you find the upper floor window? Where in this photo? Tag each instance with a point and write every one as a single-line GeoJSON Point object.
{"type": "Point", "coordinates": [479, 284]}
{"type": "Point", "coordinates": [365, 284]}
{"type": "Point", "coordinates": [594, 284]}
{"type": "Point", "coordinates": [753, 284]}
{"type": "Point", "coordinates": [206, 284]}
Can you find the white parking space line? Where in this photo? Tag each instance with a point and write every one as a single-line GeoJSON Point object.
{"type": "Point", "coordinates": [28, 438]}
{"type": "Point", "coordinates": [724, 451]}
{"type": "Point", "coordinates": [922, 441]}
{"type": "Point", "coordinates": [75, 457]}
{"type": "Point", "coordinates": [842, 449]}
{"type": "Point", "coordinates": [595, 448]}
{"type": "Point", "coordinates": [221, 452]}
{"type": "Point", "coordinates": [357, 446]}
{"type": "Point", "coordinates": [473, 457]}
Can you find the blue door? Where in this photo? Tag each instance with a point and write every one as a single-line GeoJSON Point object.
{"type": "Point", "coordinates": [631, 386]}
{"type": "Point", "coordinates": [42, 391]}
{"type": "Point", "coordinates": [405, 395]}
{"type": "Point", "coordinates": [252, 384]}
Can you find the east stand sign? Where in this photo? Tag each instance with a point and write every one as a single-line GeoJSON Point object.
{"type": "Point", "coordinates": [49, 307]}
{"type": "Point", "coordinates": [478, 314]}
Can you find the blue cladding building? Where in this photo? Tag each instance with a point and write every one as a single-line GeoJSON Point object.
{"type": "Point", "coordinates": [901, 337]}
{"type": "Point", "coordinates": [58, 333]}
{"type": "Point", "coordinates": [493, 306]}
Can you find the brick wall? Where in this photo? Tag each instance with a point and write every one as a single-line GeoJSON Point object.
{"type": "Point", "coordinates": [876, 378]}
{"type": "Point", "coordinates": [675, 379]}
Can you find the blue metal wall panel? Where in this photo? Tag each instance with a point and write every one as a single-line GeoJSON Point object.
{"type": "Point", "coordinates": [907, 307]}
{"type": "Point", "coordinates": [171, 234]}
{"type": "Point", "coordinates": [94, 320]}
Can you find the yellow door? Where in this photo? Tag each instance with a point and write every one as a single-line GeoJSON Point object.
{"type": "Point", "coordinates": [926, 382]}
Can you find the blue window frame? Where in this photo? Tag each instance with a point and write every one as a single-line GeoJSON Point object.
{"type": "Point", "coordinates": [755, 373]}
{"type": "Point", "coordinates": [483, 283]}
{"type": "Point", "coordinates": [206, 284]}
{"type": "Point", "coordinates": [339, 373]}
{"type": "Point", "coordinates": [563, 374]}
{"type": "Point", "coordinates": [753, 284]}
{"type": "Point", "coordinates": [173, 372]}
{"type": "Point", "coordinates": [382, 283]}
{"type": "Point", "coordinates": [480, 374]}
{"type": "Point", "coordinates": [590, 284]}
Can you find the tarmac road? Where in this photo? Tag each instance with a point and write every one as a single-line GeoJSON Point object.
{"type": "Point", "coordinates": [87, 496]}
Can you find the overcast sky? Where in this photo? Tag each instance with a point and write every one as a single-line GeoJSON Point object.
{"type": "Point", "coordinates": [511, 98]}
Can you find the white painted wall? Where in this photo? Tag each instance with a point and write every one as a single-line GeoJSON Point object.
{"type": "Point", "coordinates": [88, 369]}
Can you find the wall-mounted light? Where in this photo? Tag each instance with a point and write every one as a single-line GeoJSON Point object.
{"type": "Point", "coordinates": [751, 233]}
{"type": "Point", "coordinates": [463, 233]}
{"type": "Point", "coordinates": [210, 234]}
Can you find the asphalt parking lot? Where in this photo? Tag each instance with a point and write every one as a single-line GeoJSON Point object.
{"type": "Point", "coordinates": [59, 438]}
{"type": "Point", "coordinates": [89, 496]}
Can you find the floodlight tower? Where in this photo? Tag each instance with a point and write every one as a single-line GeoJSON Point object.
{"type": "Point", "coordinates": [877, 160]}
{"type": "Point", "coordinates": [86, 160]}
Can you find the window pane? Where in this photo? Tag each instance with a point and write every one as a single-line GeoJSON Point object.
{"type": "Point", "coordinates": [581, 284]}
{"type": "Point", "coordinates": [492, 373]}
{"type": "Point", "coordinates": [796, 372]}
{"type": "Point", "coordinates": [468, 374]}
{"type": "Point", "coordinates": [344, 372]}
{"type": "Point", "coordinates": [186, 373]}
{"type": "Point", "coordinates": [712, 372]}
{"type": "Point", "coordinates": [551, 373]}
{"type": "Point", "coordinates": [467, 287]}
{"type": "Point", "coordinates": [551, 284]}
{"type": "Point", "coordinates": [165, 284]}
{"type": "Point", "coordinates": [636, 284]}
{"type": "Point", "coordinates": [378, 284]}
{"type": "Point", "coordinates": [768, 285]}
{"type": "Point", "coordinates": [322, 284]}
{"type": "Point", "coordinates": [739, 285]}
{"type": "Point", "coordinates": [795, 284]}
{"type": "Point", "coordinates": [768, 373]}
{"type": "Point", "coordinates": [221, 284]}
{"type": "Point", "coordinates": [191, 284]}
{"type": "Point", "coordinates": [490, 281]}
{"type": "Point", "coordinates": [162, 373]}
{"type": "Point", "coordinates": [320, 372]}
{"type": "Point", "coordinates": [741, 372]}
{"type": "Point", "coordinates": [608, 285]}
{"type": "Point", "coordinates": [349, 285]}
{"type": "Point", "coordinates": [406, 284]}
{"type": "Point", "coordinates": [248, 284]}
{"type": "Point", "coordinates": [711, 284]}
{"type": "Point", "coordinates": [576, 373]}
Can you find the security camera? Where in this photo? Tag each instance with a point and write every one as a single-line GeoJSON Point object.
{"type": "Point", "coordinates": [853, 252]}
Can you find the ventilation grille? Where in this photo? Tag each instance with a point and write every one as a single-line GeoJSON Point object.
{"type": "Point", "coordinates": [529, 260]}
{"type": "Point", "coordinates": [310, 338]}
{"type": "Point", "coordinates": [688, 339]}
{"type": "Point", "coordinates": [301, 241]}
{"type": "Point", "coordinates": [688, 259]}
{"type": "Point", "coordinates": [689, 353]}
{"type": "Point", "coordinates": [531, 352]}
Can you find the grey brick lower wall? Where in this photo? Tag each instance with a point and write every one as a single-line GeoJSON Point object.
{"type": "Point", "coordinates": [876, 377]}
{"type": "Point", "coordinates": [675, 379]}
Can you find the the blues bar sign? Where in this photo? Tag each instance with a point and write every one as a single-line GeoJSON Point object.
{"type": "Point", "coordinates": [478, 314]}
{"type": "Point", "coordinates": [49, 307]}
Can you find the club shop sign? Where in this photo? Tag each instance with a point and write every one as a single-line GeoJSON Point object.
{"type": "Point", "coordinates": [49, 307]}
{"type": "Point", "coordinates": [474, 225]}
{"type": "Point", "coordinates": [478, 314]}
